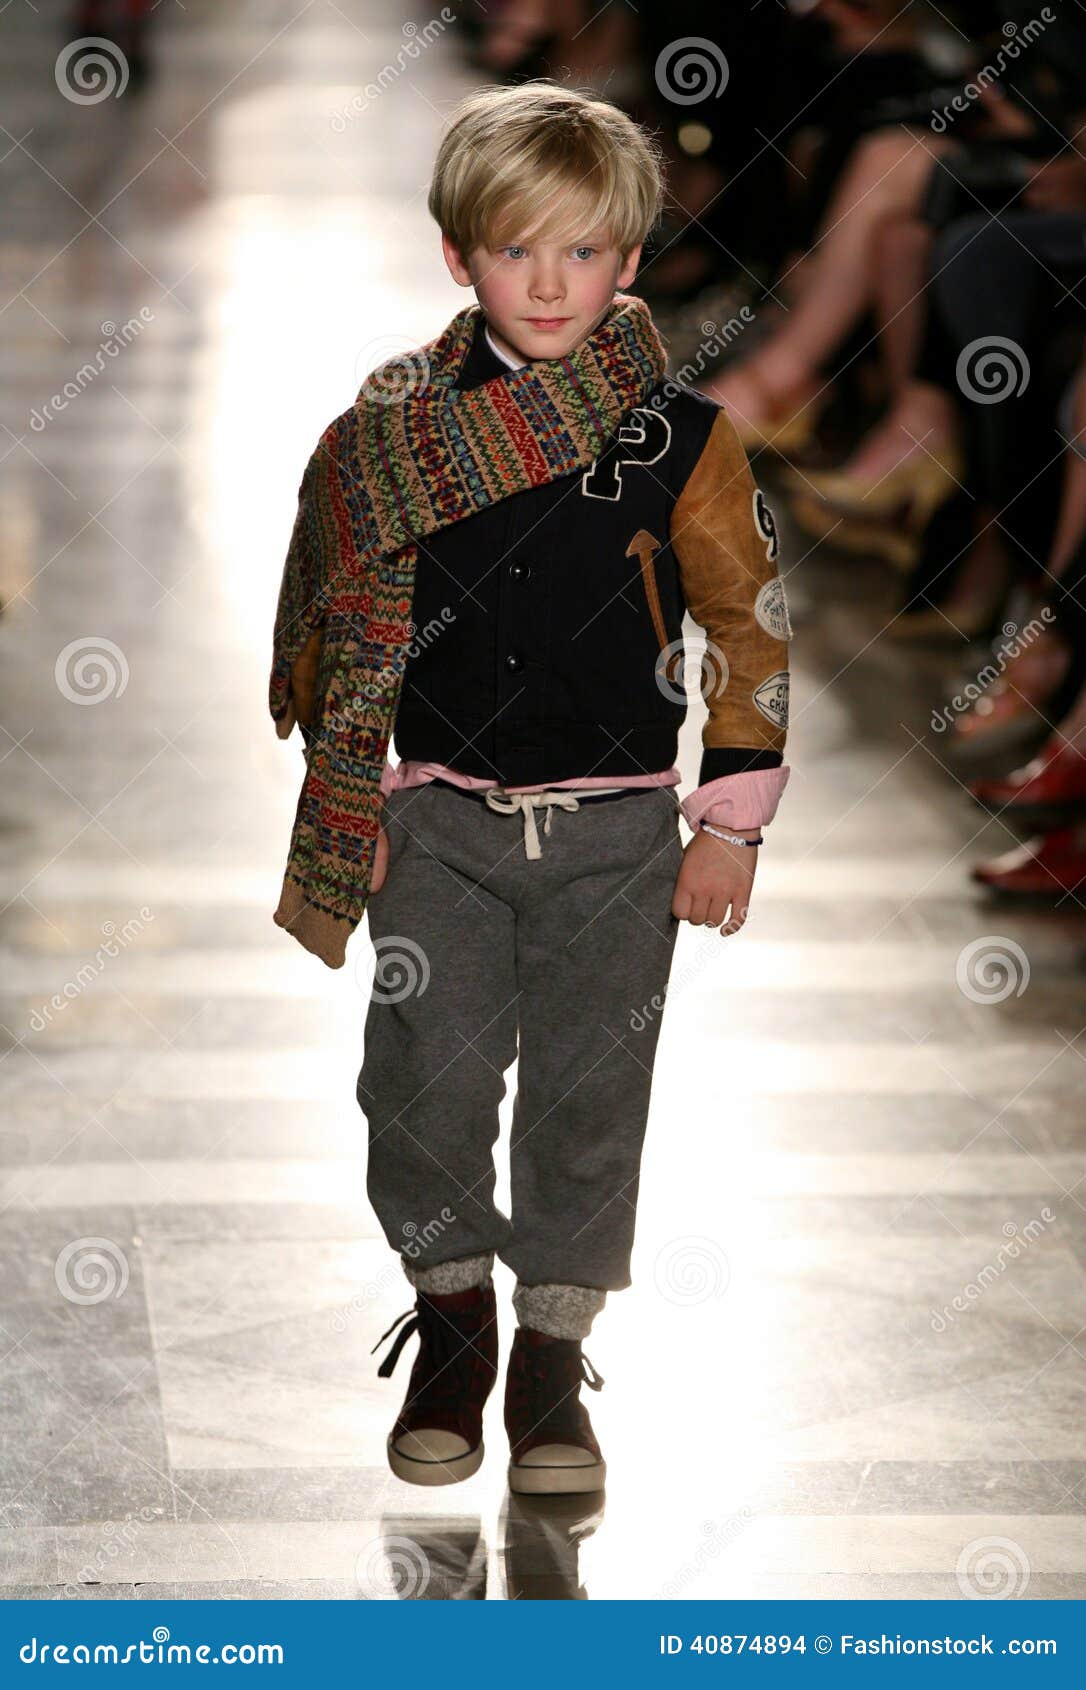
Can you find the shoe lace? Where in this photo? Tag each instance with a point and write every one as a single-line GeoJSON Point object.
{"type": "Point", "coordinates": [566, 1368]}
{"type": "Point", "coordinates": [445, 1345]}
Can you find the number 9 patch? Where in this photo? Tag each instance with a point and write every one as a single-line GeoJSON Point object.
{"type": "Point", "coordinates": [766, 524]}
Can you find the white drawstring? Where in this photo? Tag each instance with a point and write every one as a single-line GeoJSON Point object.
{"type": "Point", "coordinates": [508, 803]}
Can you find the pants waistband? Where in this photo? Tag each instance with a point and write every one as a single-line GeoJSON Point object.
{"type": "Point", "coordinates": [509, 803]}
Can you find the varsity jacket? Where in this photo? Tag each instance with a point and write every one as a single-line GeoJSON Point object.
{"type": "Point", "coordinates": [548, 640]}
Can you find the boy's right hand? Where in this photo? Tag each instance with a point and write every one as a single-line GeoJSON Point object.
{"type": "Point", "coordinates": [380, 862]}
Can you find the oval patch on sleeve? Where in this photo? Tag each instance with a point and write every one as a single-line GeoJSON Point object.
{"type": "Point", "coordinates": [772, 698]}
{"type": "Point", "coordinates": [771, 609]}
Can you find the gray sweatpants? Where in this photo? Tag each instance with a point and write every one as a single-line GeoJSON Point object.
{"type": "Point", "coordinates": [485, 956]}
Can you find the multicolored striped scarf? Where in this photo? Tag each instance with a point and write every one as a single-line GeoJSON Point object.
{"type": "Point", "coordinates": [413, 453]}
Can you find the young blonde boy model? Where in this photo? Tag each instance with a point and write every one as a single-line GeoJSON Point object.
{"type": "Point", "coordinates": [493, 553]}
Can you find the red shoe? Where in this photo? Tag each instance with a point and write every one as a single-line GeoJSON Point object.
{"type": "Point", "coordinates": [438, 1435]}
{"type": "Point", "coordinates": [553, 1446]}
{"type": "Point", "coordinates": [1053, 862]}
{"type": "Point", "coordinates": [1048, 788]}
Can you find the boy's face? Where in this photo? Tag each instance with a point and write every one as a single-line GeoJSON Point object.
{"type": "Point", "coordinates": [541, 299]}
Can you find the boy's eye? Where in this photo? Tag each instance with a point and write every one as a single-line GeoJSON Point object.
{"type": "Point", "coordinates": [515, 249]}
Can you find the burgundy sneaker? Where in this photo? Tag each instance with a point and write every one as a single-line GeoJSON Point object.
{"type": "Point", "coordinates": [550, 1435]}
{"type": "Point", "coordinates": [438, 1435]}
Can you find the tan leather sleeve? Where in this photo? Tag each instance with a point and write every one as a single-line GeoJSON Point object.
{"type": "Point", "coordinates": [303, 676]}
{"type": "Point", "coordinates": [725, 540]}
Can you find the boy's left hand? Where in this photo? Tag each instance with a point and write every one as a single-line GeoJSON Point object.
{"type": "Point", "coordinates": [713, 875]}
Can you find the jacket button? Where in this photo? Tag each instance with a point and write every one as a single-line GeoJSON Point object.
{"type": "Point", "coordinates": [513, 662]}
{"type": "Point", "coordinates": [520, 571]}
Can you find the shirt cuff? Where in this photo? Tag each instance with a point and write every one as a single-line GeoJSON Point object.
{"type": "Point", "coordinates": [747, 800]}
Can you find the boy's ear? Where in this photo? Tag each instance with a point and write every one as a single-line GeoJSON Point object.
{"type": "Point", "coordinates": [629, 266]}
{"type": "Point", "coordinates": [454, 258]}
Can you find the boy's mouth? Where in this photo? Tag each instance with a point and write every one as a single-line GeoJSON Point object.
{"type": "Point", "coordinates": [547, 322]}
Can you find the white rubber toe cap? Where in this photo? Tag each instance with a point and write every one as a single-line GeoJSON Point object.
{"type": "Point", "coordinates": [558, 1455]}
{"type": "Point", "coordinates": [431, 1444]}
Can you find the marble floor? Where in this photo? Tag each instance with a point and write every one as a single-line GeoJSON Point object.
{"type": "Point", "coordinates": [853, 1359]}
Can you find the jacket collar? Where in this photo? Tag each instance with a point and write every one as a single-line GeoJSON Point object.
{"type": "Point", "coordinates": [481, 362]}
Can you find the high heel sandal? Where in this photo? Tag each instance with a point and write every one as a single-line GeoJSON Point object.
{"type": "Point", "coordinates": [870, 539]}
{"type": "Point", "coordinates": [949, 626]}
{"type": "Point", "coordinates": [908, 494]}
{"type": "Point", "coordinates": [790, 426]}
{"type": "Point", "coordinates": [929, 610]}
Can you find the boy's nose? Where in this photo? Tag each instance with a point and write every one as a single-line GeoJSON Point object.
{"type": "Point", "coordinates": [547, 291]}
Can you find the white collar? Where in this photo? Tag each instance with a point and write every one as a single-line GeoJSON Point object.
{"type": "Point", "coordinates": [498, 351]}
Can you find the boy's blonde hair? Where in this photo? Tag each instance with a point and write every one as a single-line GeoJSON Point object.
{"type": "Point", "coordinates": [541, 154]}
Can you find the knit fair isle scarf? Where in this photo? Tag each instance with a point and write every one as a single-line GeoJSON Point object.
{"type": "Point", "coordinates": [412, 454]}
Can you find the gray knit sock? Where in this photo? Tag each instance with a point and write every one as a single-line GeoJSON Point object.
{"type": "Point", "coordinates": [562, 1311]}
{"type": "Point", "coordinates": [458, 1275]}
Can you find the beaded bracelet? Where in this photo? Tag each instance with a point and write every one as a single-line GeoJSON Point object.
{"type": "Point", "coordinates": [732, 838]}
